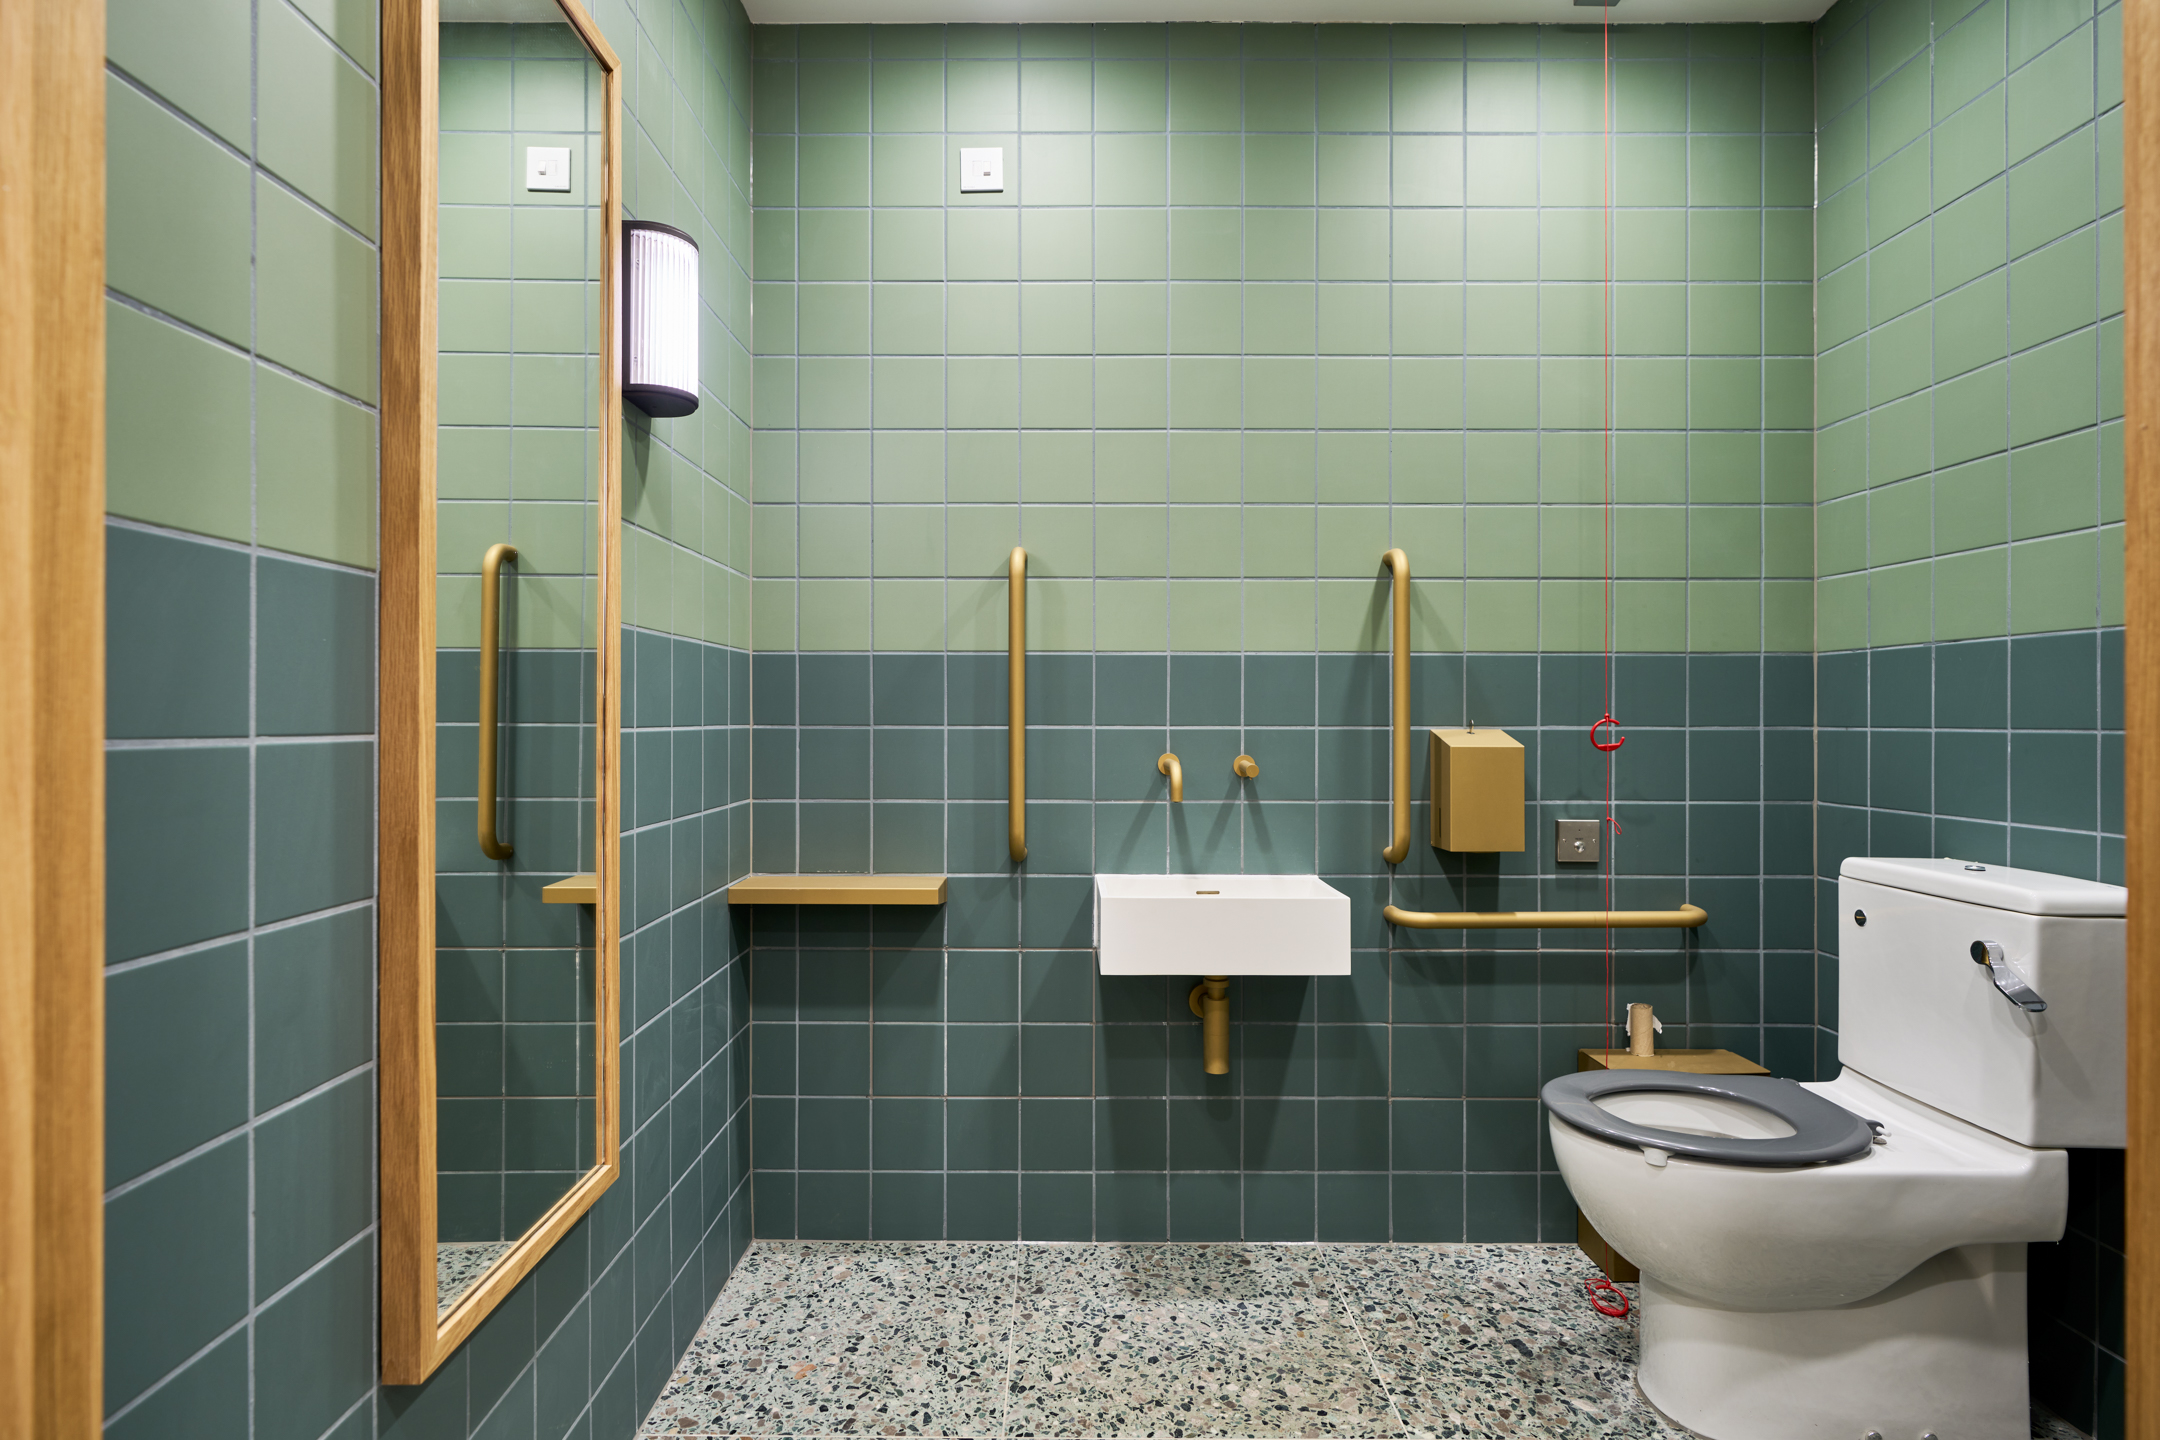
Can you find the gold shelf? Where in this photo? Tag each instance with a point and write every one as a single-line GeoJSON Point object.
{"type": "Point", "coordinates": [572, 890]}
{"type": "Point", "coordinates": [838, 890]}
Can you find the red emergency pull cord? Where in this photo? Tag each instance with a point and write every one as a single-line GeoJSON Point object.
{"type": "Point", "coordinates": [1601, 724]}
{"type": "Point", "coordinates": [1605, 1297]}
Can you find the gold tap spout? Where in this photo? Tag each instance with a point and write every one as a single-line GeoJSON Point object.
{"type": "Point", "coordinates": [1168, 765]}
{"type": "Point", "coordinates": [1246, 766]}
{"type": "Point", "coordinates": [1210, 1000]}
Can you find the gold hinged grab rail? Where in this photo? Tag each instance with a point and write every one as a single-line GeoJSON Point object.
{"type": "Point", "coordinates": [1399, 784]}
{"type": "Point", "coordinates": [1016, 704]}
{"type": "Point", "coordinates": [1687, 917]}
{"type": "Point", "coordinates": [490, 666]}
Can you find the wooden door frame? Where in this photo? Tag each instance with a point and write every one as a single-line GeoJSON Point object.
{"type": "Point", "coordinates": [415, 1339]}
{"type": "Point", "coordinates": [2141, 703]}
{"type": "Point", "coordinates": [52, 717]}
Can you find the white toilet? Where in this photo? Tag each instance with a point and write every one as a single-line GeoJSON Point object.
{"type": "Point", "coordinates": [1847, 1259]}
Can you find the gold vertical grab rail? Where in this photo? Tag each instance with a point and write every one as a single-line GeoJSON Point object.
{"type": "Point", "coordinates": [1016, 704]}
{"type": "Point", "coordinates": [1399, 785]}
{"type": "Point", "coordinates": [490, 674]}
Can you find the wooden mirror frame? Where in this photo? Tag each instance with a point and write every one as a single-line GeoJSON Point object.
{"type": "Point", "coordinates": [52, 713]}
{"type": "Point", "coordinates": [415, 1339]}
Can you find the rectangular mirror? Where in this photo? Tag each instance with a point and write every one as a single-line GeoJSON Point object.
{"type": "Point", "coordinates": [500, 653]}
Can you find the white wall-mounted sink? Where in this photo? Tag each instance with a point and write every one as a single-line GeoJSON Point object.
{"type": "Point", "coordinates": [1221, 925]}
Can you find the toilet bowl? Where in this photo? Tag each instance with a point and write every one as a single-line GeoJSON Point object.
{"type": "Point", "coordinates": [1801, 1237]}
{"type": "Point", "coordinates": [1827, 1259]}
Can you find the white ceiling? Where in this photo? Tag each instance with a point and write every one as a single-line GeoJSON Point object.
{"type": "Point", "coordinates": [1480, 12]}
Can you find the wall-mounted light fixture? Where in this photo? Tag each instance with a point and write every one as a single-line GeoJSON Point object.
{"type": "Point", "coordinates": [660, 319]}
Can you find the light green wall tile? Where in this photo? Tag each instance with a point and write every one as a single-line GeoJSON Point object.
{"type": "Point", "coordinates": [2053, 290]}
{"type": "Point", "coordinates": [2054, 583]}
{"type": "Point", "coordinates": [196, 57]}
{"type": "Point", "coordinates": [1205, 615]}
{"type": "Point", "coordinates": [177, 217]}
{"type": "Point", "coordinates": [177, 428]}
{"type": "Point", "coordinates": [1724, 615]}
{"type": "Point", "coordinates": [834, 614]}
{"type": "Point", "coordinates": [2054, 388]}
{"type": "Point", "coordinates": [2052, 193]}
{"type": "Point", "coordinates": [315, 472]}
{"type": "Point", "coordinates": [1132, 615]}
{"type": "Point", "coordinates": [317, 292]}
{"type": "Point", "coordinates": [2054, 486]}
{"type": "Point", "coordinates": [316, 122]}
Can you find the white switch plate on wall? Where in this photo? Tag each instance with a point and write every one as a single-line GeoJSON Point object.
{"type": "Point", "coordinates": [547, 167]}
{"type": "Point", "coordinates": [982, 169]}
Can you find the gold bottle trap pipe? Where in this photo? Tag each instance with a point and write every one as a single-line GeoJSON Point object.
{"type": "Point", "coordinates": [1210, 1000]}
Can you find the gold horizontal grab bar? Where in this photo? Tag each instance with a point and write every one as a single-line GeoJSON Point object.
{"type": "Point", "coordinates": [1016, 704]}
{"type": "Point", "coordinates": [490, 668]}
{"type": "Point", "coordinates": [1398, 565]}
{"type": "Point", "coordinates": [1687, 917]}
{"type": "Point", "coordinates": [1168, 764]}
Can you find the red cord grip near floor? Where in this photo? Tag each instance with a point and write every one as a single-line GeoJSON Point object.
{"type": "Point", "coordinates": [1606, 1297]}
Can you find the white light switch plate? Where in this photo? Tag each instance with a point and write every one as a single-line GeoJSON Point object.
{"type": "Point", "coordinates": [547, 167]}
{"type": "Point", "coordinates": [982, 169]}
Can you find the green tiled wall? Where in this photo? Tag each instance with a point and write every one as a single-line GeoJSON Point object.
{"type": "Point", "coordinates": [1256, 303]}
{"type": "Point", "coordinates": [1969, 474]}
{"type": "Point", "coordinates": [243, 270]}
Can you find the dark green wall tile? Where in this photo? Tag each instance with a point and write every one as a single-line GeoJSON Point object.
{"type": "Point", "coordinates": [312, 1166]}
{"type": "Point", "coordinates": [1131, 690]}
{"type": "Point", "coordinates": [313, 808]}
{"type": "Point", "coordinates": [1057, 1207]}
{"type": "Point", "coordinates": [905, 1206]}
{"type": "Point", "coordinates": [175, 1267]}
{"type": "Point", "coordinates": [315, 654]}
{"type": "Point", "coordinates": [834, 1135]}
{"type": "Point", "coordinates": [180, 666]}
{"type": "Point", "coordinates": [176, 856]}
{"type": "Point", "coordinates": [313, 1358]}
{"type": "Point", "coordinates": [1205, 1207]}
{"type": "Point", "coordinates": [982, 1134]}
{"type": "Point", "coordinates": [175, 1057]}
{"type": "Point", "coordinates": [206, 1401]}
{"type": "Point", "coordinates": [982, 1206]}
{"type": "Point", "coordinates": [314, 1004]}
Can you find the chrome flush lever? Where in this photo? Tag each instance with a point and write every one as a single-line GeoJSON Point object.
{"type": "Point", "coordinates": [2014, 989]}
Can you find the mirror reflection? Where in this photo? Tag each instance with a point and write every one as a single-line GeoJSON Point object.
{"type": "Point", "coordinates": [518, 548]}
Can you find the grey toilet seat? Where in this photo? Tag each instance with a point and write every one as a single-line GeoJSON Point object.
{"type": "Point", "coordinates": [1822, 1130]}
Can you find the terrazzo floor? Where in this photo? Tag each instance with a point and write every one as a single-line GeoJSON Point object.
{"type": "Point", "coordinates": [1139, 1340]}
{"type": "Point", "coordinates": [1100, 1341]}
{"type": "Point", "coordinates": [461, 1263]}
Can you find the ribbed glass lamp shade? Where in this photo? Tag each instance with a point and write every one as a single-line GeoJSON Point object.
{"type": "Point", "coordinates": [660, 319]}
